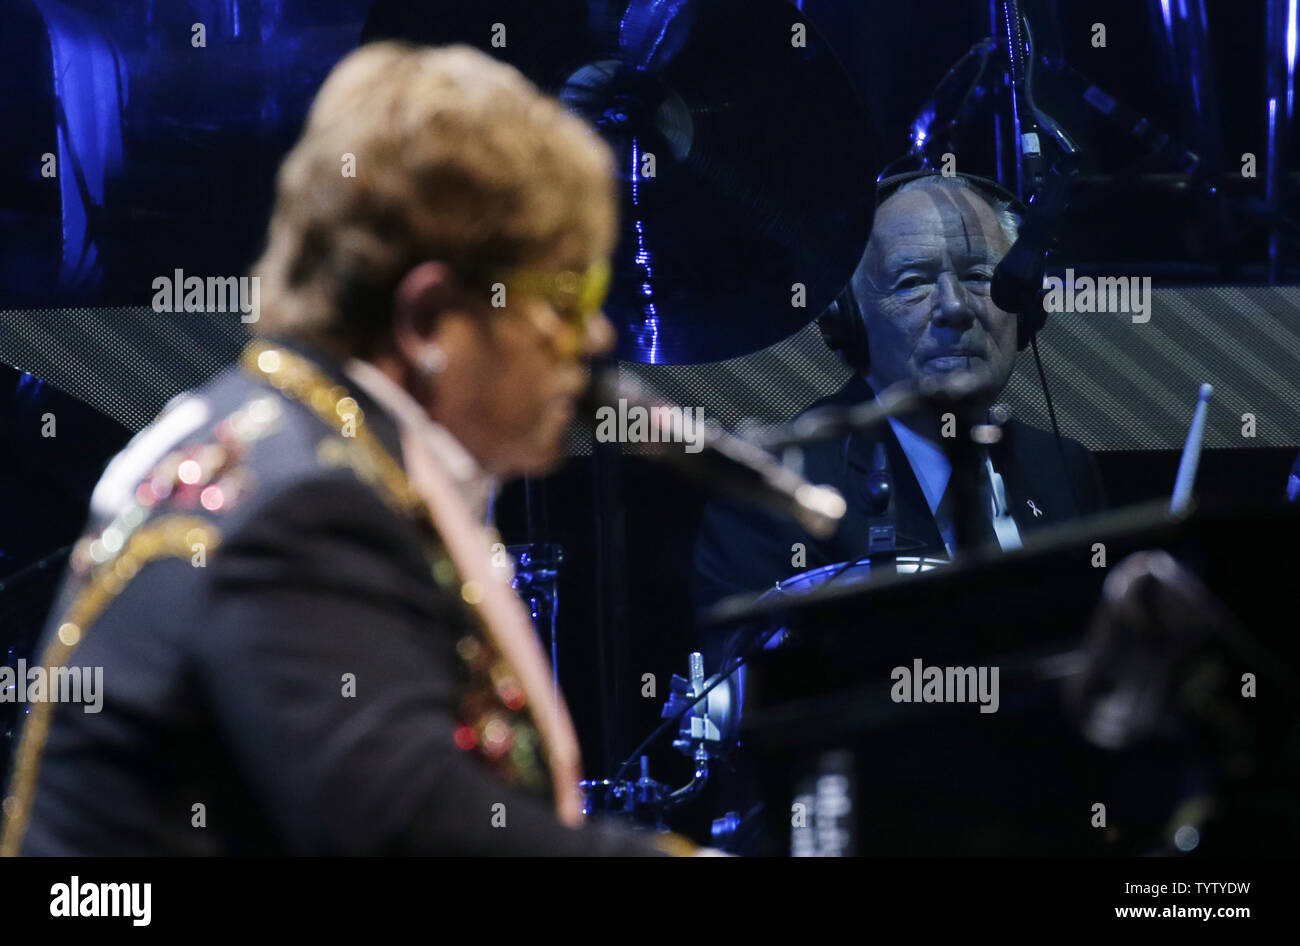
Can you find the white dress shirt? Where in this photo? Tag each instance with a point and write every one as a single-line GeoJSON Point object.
{"type": "Point", "coordinates": [930, 463]}
{"type": "Point", "coordinates": [474, 484]}
{"type": "Point", "coordinates": [457, 493]}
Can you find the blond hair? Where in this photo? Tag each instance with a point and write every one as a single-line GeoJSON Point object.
{"type": "Point", "coordinates": [458, 158]}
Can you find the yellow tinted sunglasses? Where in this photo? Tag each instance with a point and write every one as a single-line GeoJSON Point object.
{"type": "Point", "coordinates": [575, 296]}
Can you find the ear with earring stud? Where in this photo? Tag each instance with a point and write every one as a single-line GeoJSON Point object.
{"type": "Point", "coordinates": [431, 360]}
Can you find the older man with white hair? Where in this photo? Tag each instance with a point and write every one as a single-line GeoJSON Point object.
{"type": "Point", "coordinates": [919, 308]}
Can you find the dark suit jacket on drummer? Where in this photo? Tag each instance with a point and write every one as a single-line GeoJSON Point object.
{"type": "Point", "coordinates": [299, 689]}
{"type": "Point", "coordinates": [741, 548]}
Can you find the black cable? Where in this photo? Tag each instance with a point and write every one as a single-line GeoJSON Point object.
{"type": "Point", "coordinates": [1033, 339]}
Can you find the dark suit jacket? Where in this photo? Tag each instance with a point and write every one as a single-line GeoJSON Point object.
{"type": "Point", "coordinates": [225, 683]}
{"type": "Point", "coordinates": [741, 548]}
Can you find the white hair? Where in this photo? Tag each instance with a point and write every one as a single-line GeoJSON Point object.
{"type": "Point", "coordinates": [1002, 209]}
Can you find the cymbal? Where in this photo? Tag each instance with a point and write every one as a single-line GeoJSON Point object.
{"type": "Point", "coordinates": [762, 171]}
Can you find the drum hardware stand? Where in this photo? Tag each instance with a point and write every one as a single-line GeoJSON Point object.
{"type": "Point", "coordinates": [537, 582]}
{"type": "Point", "coordinates": [881, 536]}
{"type": "Point", "coordinates": [699, 736]}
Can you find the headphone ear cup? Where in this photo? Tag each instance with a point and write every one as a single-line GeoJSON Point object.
{"type": "Point", "coordinates": [860, 349]}
{"type": "Point", "coordinates": [843, 331]}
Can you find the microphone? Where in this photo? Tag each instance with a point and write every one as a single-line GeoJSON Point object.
{"type": "Point", "coordinates": [1018, 278]}
{"type": "Point", "coordinates": [823, 423]}
{"type": "Point", "coordinates": [720, 461]}
{"type": "Point", "coordinates": [1023, 119]}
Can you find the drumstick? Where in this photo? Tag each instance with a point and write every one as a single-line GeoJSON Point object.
{"type": "Point", "coordinates": [1191, 454]}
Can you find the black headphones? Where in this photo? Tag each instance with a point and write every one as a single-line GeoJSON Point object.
{"type": "Point", "coordinates": [841, 324]}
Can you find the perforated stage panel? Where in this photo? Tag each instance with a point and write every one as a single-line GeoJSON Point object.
{"type": "Point", "coordinates": [1116, 385]}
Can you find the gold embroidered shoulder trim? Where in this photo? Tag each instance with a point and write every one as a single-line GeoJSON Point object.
{"type": "Point", "coordinates": [301, 381]}
{"type": "Point", "coordinates": [166, 537]}
{"type": "Point", "coordinates": [495, 722]}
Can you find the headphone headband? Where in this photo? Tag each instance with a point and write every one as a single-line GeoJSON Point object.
{"type": "Point", "coordinates": [886, 187]}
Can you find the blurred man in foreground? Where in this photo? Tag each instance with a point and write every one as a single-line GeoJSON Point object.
{"type": "Point", "coordinates": [306, 645]}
